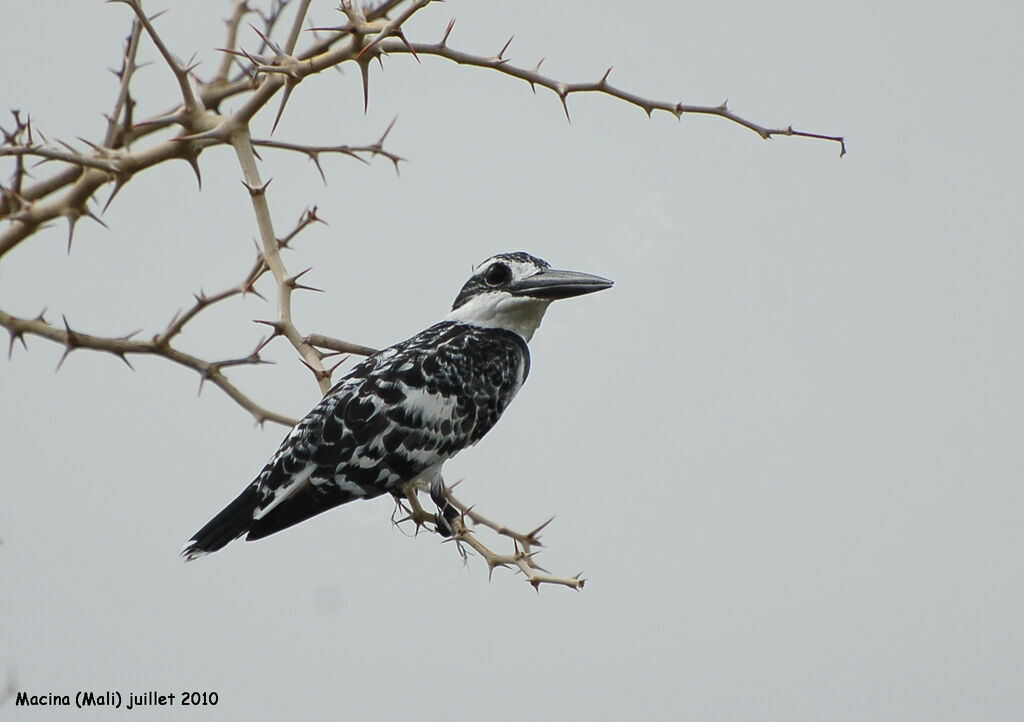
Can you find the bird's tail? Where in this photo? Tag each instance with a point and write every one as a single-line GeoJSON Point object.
{"type": "Point", "coordinates": [232, 522]}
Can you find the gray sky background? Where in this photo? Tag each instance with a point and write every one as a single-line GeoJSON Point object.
{"type": "Point", "coordinates": [785, 449]}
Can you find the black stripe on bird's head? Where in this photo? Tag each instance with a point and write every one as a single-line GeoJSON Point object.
{"type": "Point", "coordinates": [512, 291]}
{"type": "Point", "coordinates": [520, 274]}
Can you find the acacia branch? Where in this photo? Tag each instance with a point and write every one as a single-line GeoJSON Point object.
{"type": "Point", "coordinates": [339, 346]}
{"type": "Point", "coordinates": [239, 10]}
{"type": "Point", "coordinates": [284, 326]}
{"type": "Point", "coordinates": [563, 90]}
{"type": "Point", "coordinates": [522, 556]}
{"type": "Point", "coordinates": [353, 151]}
{"type": "Point", "coordinates": [67, 156]}
{"type": "Point", "coordinates": [123, 346]}
{"type": "Point", "coordinates": [124, 103]}
{"type": "Point", "coordinates": [194, 109]}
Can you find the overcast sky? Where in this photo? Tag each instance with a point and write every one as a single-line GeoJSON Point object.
{"type": "Point", "coordinates": [785, 450]}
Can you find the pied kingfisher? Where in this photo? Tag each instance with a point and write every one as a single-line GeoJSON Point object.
{"type": "Point", "coordinates": [400, 414]}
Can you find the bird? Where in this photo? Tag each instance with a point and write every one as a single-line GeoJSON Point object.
{"type": "Point", "coordinates": [390, 424]}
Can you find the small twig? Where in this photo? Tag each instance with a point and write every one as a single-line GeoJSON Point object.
{"type": "Point", "coordinates": [67, 156]}
{"type": "Point", "coordinates": [297, 23]}
{"type": "Point", "coordinates": [314, 151]}
{"type": "Point", "coordinates": [238, 12]}
{"type": "Point", "coordinates": [123, 102]}
{"type": "Point", "coordinates": [394, 27]}
{"type": "Point", "coordinates": [194, 108]}
{"type": "Point", "coordinates": [339, 346]}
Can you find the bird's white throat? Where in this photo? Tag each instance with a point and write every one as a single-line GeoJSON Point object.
{"type": "Point", "coordinates": [499, 309]}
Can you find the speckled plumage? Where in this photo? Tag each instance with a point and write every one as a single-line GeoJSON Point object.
{"type": "Point", "coordinates": [397, 416]}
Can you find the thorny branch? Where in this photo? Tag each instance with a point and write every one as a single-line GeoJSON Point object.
{"type": "Point", "coordinates": [286, 284]}
{"type": "Point", "coordinates": [563, 90]}
{"type": "Point", "coordinates": [520, 559]}
{"type": "Point", "coordinates": [274, 68]}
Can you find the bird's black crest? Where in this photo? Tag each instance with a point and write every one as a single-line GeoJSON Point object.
{"type": "Point", "coordinates": [476, 284]}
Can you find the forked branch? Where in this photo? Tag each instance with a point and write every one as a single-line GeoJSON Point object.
{"type": "Point", "coordinates": [522, 557]}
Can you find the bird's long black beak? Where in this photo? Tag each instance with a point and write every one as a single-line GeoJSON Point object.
{"type": "Point", "coordinates": [553, 285]}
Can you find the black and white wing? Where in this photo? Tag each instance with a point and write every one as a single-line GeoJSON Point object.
{"type": "Point", "coordinates": [396, 416]}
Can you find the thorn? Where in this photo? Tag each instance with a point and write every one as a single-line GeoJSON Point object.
{"type": "Point", "coordinates": [193, 161]}
{"type": "Point", "coordinates": [292, 282]}
{"type": "Point", "coordinates": [315, 157]}
{"type": "Point", "coordinates": [603, 82]}
{"type": "Point", "coordinates": [533, 565]}
{"type": "Point", "coordinates": [289, 86]}
{"type": "Point", "coordinates": [118, 185]}
{"type": "Point", "coordinates": [501, 55]}
{"type": "Point", "coordinates": [447, 32]}
{"type": "Point", "coordinates": [257, 191]}
{"type": "Point", "coordinates": [70, 342]}
{"type": "Point", "coordinates": [278, 326]}
{"type": "Point", "coordinates": [72, 220]}
{"type": "Point", "coordinates": [270, 43]}
{"type": "Point", "coordinates": [120, 354]}
{"type": "Point", "coordinates": [384, 135]}
{"type": "Point", "coordinates": [364, 71]}
{"type": "Point", "coordinates": [563, 93]}
{"type": "Point", "coordinates": [89, 214]}
{"type": "Point", "coordinates": [401, 36]}
{"type": "Point", "coordinates": [320, 373]}
{"type": "Point", "coordinates": [15, 336]}
{"type": "Point", "coordinates": [252, 289]}
{"type": "Point", "coordinates": [334, 368]}
{"type": "Point", "coordinates": [533, 536]}
{"type": "Point", "coordinates": [262, 344]}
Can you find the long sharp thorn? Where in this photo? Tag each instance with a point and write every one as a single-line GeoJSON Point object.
{"type": "Point", "coordinates": [288, 87]}
{"type": "Point", "coordinates": [15, 337]}
{"type": "Point", "coordinates": [508, 42]}
{"type": "Point", "coordinates": [447, 32]}
{"type": "Point", "coordinates": [96, 218]}
{"type": "Point", "coordinates": [194, 163]}
{"type": "Point", "coordinates": [67, 352]}
{"type": "Point", "coordinates": [401, 36]}
{"type": "Point", "coordinates": [384, 135]}
{"type": "Point", "coordinates": [118, 185]}
{"type": "Point", "coordinates": [364, 70]}
{"type": "Point", "coordinates": [72, 220]}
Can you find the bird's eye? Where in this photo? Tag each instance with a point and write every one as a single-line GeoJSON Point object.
{"type": "Point", "coordinates": [498, 274]}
